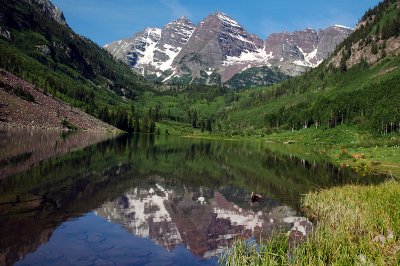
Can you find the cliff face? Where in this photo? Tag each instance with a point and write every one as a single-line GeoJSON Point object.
{"type": "Point", "coordinates": [50, 10]}
{"type": "Point", "coordinates": [293, 52]}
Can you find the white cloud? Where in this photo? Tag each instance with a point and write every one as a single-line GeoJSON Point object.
{"type": "Point", "coordinates": [176, 8]}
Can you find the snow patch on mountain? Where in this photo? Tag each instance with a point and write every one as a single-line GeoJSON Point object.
{"type": "Point", "coordinates": [171, 53]}
{"type": "Point", "coordinates": [344, 27]}
{"type": "Point", "coordinates": [220, 45]}
{"type": "Point", "coordinates": [224, 18]}
{"type": "Point", "coordinates": [258, 57]}
{"type": "Point", "coordinates": [150, 42]}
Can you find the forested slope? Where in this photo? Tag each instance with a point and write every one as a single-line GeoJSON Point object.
{"type": "Point", "coordinates": [43, 50]}
{"type": "Point", "coordinates": [341, 90]}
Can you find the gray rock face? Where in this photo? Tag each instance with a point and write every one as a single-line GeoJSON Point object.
{"type": "Point", "coordinates": [220, 47]}
{"type": "Point", "coordinates": [217, 38]}
{"type": "Point", "coordinates": [330, 37]}
{"type": "Point", "coordinates": [153, 50]}
{"type": "Point", "coordinates": [177, 33]}
{"type": "Point", "coordinates": [48, 8]}
{"type": "Point", "coordinates": [44, 49]}
{"type": "Point", "coordinates": [138, 50]}
{"type": "Point", "coordinates": [293, 52]}
{"type": "Point", "coordinates": [174, 36]}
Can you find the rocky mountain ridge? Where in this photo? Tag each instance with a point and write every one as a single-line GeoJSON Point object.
{"type": "Point", "coordinates": [49, 9]}
{"type": "Point", "coordinates": [375, 38]}
{"type": "Point", "coordinates": [218, 48]}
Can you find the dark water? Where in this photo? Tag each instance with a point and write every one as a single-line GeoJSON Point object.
{"type": "Point", "coordinates": [84, 199]}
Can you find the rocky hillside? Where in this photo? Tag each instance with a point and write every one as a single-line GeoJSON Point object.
{"type": "Point", "coordinates": [218, 48]}
{"type": "Point", "coordinates": [24, 105]}
{"type": "Point", "coordinates": [376, 37]}
{"type": "Point", "coordinates": [37, 45]}
{"type": "Point", "coordinates": [50, 10]}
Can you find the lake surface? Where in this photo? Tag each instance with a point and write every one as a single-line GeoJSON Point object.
{"type": "Point", "coordinates": [88, 199]}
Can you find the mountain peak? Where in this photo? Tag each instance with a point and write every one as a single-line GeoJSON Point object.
{"type": "Point", "coordinates": [153, 31]}
{"type": "Point", "coordinates": [226, 19]}
{"type": "Point", "coordinates": [51, 10]}
{"type": "Point", "coordinates": [220, 47]}
{"type": "Point", "coordinates": [182, 20]}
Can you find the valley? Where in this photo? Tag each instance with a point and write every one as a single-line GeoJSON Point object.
{"type": "Point", "coordinates": [308, 118]}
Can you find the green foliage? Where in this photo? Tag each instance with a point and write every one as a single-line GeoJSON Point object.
{"type": "Point", "coordinates": [68, 125]}
{"type": "Point", "coordinates": [84, 75]}
{"type": "Point", "coordinates": [361, 96]}
{"type": "Point", "coordinates": [374, 48]}
{"type": "Point", "coordinates": [257, 76]}
{"type": "Point", "coordinates": [355, 225]}
{"type": "Point", "coordinates": [275, 252]}
{"type": "Point", "coordinates": [63, 63]}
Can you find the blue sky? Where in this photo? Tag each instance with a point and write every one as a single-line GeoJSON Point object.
{"type": "Point", "coordinates": [104, 21]}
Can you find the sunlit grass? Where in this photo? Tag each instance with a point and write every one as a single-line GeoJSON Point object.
{"type": "Point", "coordinates": [355, 225]}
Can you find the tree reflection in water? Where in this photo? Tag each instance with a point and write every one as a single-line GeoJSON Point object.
{"type": "Point", "coordinates": [151, 186]}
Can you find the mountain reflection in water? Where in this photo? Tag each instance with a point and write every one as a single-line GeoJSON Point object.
{"type": "Point", "coordinates": [173, 216]}
{"type": "Point", "coordinates": [150, 188]}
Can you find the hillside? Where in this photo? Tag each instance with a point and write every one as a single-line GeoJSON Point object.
{"type": "Point", "coordinates": [24, 105]}
{"type": "Point", "coordinates": [364, 93]}
{"type": "Point", "coordinates": [364, 96]}
{"type": "Point", "coordinates": [37, 45]}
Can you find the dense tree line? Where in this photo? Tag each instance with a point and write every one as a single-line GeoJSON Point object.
{"type": "Point", "coordinates": [133, 121]}
{"type": "Point", "coordinates": [375, 107]}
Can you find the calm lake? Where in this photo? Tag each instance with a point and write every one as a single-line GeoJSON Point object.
{"type": "Point", "coordinates": [88, 199]}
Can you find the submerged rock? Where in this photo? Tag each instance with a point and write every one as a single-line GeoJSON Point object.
{"type": "Point", "coordinates": [301, 229]}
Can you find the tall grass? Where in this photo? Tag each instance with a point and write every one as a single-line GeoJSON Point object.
{"type": "Point", "coordinates": [355, 225]}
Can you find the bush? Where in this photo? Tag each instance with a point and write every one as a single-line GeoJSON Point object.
{"type": "Point", "coordinates": [66, 124]}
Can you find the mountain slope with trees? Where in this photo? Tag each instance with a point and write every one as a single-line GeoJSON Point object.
{"type": "Point", "coordinates": [37, 45]}
{"type": "Point", "coordinates": [364, 93]}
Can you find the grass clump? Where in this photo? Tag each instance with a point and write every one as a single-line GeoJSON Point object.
{"type": "Point", "coordinates": [355, 225]}
{"type": "Point", "coordinates": [245, 253]}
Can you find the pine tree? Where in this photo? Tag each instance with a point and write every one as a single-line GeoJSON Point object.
{"type": "Point", "coordinates": [145, 124]}
{"type": "Point", "coordinates": [152, 127]}
{"type": "Point", "coordinates": [136, 124]}
{"type": "Point", "coordinates": [194, 119]}
{"type": "Point", "coordinates": [208, 125]}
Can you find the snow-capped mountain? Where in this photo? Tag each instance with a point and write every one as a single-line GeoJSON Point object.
{"type": "Point", "coordinates": [218, 48]}
{"type": "Point", "coordinates": [293, 52]}
{"type": "Point", "coordinates": [152, 51]}
{"type": "Point", "coordinates": [138, 50]}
